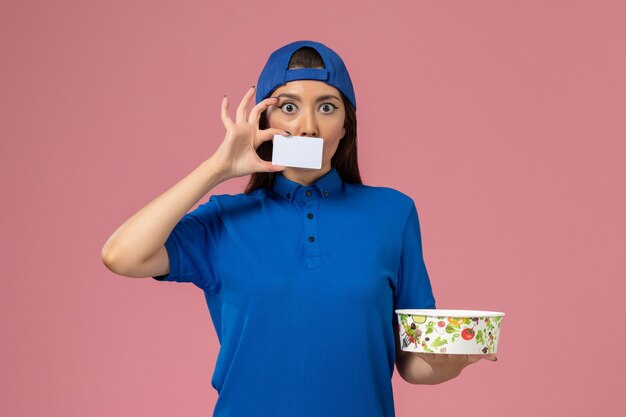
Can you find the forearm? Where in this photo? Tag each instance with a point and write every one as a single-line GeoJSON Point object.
{"type": "Point", "coordinates": [143, 234]}
{"type": "Point", "coordinates": [416, 370]}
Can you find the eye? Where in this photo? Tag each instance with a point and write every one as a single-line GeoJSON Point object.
{"type": "Point", "coordinates": [330, 106]}
{"type": "Point", "coordinates": [287, 105]}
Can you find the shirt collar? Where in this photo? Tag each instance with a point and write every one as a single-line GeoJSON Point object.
{"type": "Point", "coordinates": [328, 184]}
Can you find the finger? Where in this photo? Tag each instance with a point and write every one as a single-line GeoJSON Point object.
{"type": "Point", "coordinates": [255, 114]}
{"type": "Point", "coordinates": [267, 134]}
{"type": "Point", "coordinates": [431, 357]}
{"type": "Point", "coordinates": [268, 166]}
{"type": "Point", "coordinates": [476, 358]}
{"type": "Point", "coordinates": [492, 357]}
{"type": "Point", "coordinates": [473, 358]}
{"type": "Point", "coordinates": [225, 117]}
{"type": "Point", "coordinates": [243, 105]}
{"type": "Point", "coordinates": [437, 358]}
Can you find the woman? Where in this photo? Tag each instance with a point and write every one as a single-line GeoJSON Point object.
{"type": "Point", "coordinates": [303, 271]}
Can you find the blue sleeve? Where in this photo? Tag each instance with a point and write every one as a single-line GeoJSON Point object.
{"type": "Point", "coordinates": [192, 247]}
{"type": "Point", "coordinates": [414, 289]}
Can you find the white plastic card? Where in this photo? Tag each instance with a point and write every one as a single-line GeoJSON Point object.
{"type": "Point", "coordinates": [297, 151]}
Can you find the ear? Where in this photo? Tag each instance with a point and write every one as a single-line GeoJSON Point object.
{"type": "Point", "coordinates": [344, 133]}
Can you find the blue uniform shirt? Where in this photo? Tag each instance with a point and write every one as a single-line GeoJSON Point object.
{"type": "Point", "coordinates": [301, 283]}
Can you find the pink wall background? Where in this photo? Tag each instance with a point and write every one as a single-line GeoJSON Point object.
{"type": "Point", "coordinates": [505, 122]}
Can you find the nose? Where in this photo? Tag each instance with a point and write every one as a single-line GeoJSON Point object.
{"type": "Point", "coordinates": [308, 123]}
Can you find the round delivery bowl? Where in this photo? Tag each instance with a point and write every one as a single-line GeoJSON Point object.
{"type": "Point", "coordinates": [449, 331]}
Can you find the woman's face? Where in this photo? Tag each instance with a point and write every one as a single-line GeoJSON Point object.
{"type": "Point", "coordinates": [310, 108]}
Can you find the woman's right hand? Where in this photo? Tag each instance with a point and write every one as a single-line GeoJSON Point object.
{"type": "Point", "coordinates": [237, 156]}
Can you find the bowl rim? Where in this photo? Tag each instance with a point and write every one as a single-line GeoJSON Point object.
{"type": "Point", "coordinates": [431, 312]}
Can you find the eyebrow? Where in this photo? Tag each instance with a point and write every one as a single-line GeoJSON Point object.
{"type": "Point", "coordinates": [297, 97]}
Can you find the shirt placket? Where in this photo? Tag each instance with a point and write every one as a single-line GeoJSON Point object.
{"type": "Point", "coordinates": [309, 203]}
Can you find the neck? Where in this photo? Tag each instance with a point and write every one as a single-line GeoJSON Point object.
{"type": "Point", "coordinates": [305, 176]}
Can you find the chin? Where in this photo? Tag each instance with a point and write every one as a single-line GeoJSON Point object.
{"type": "Point", "coordinates": [305, 169]}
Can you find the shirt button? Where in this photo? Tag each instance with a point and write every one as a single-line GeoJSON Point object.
{"type": "Point", "coordinates": [325, 193]}
{"type": "Point", "coordinates": [311, 239]}
{"type": "Point", "coordinates": [310, 215]}
{"type": "Point", "coordinates": [308, 193]}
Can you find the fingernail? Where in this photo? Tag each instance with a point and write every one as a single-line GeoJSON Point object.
{"type": "Point", "coordinates": [224, 94]}
{"type": "Point", "coordinates": [288, 132]}
{"type": "Point", "coordinates": [252, 87]}
{"type": "Point", "coordinates": [495, 359]}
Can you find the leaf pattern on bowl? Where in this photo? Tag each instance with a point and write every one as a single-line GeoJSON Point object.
{"type": "Point", "coordinates": [462, 335]}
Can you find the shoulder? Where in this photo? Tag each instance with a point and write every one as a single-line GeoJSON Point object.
{"type": "Point", "coordinates": [229, 202]}
{"type": "Point", "coordinates": [394, 201]}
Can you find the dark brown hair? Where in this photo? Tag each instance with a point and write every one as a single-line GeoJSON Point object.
{"type": "Point", "coordinates": [345, 157]}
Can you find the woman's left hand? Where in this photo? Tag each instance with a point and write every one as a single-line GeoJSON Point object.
{"type": "Point", "coordinates": [451, 364]}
